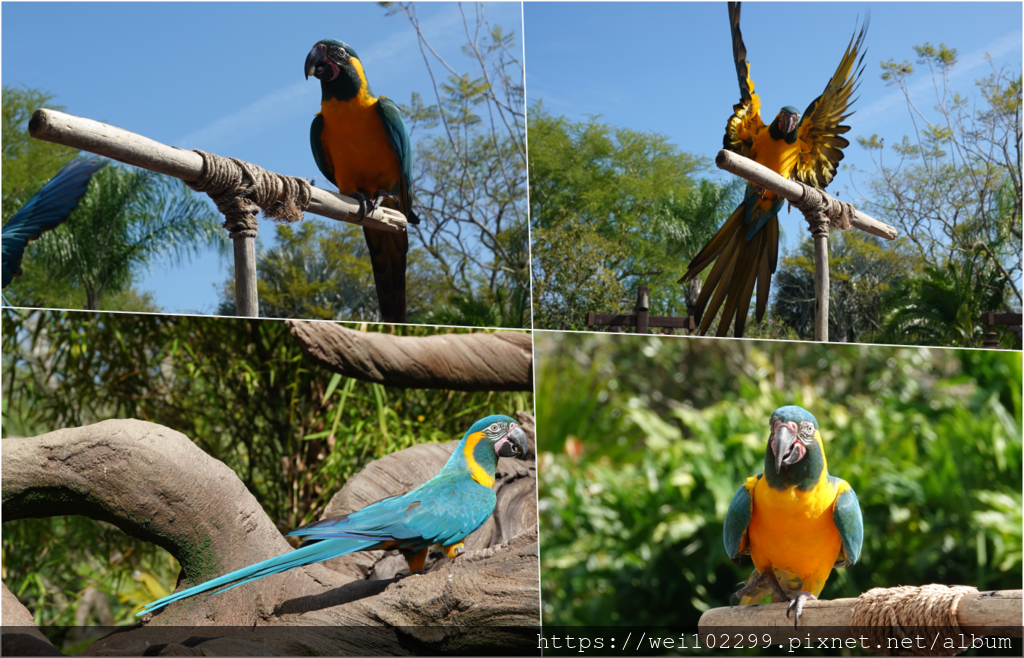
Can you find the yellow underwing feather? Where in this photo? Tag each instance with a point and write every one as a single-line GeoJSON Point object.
{"type": "Point", "coordinates": [820, 132]}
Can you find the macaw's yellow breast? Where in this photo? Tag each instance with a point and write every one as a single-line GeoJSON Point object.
{"type": "Point", "coordinates": [357, 146]}
{"type": "Point", "coordinates": [775, 154]}
{"type": "Point", "coordinates": [793, 531]}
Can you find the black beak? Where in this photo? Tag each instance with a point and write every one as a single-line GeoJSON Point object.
{"type": "Point", "coordinates": [315, 61]}
{"type": "Point", "coordinates": [515, 445]}
{"type": "Point", "coordinates": [786, 449]}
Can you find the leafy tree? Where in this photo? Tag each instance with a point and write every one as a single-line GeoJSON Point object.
{"type": "Point", "coordinates": [470, 183]}
{"type": "Point", "coordinates": [862, 271]}
{"type": "Point", "coordinates": [127, 220]}
{"type": "Point", "coordinates": [611, 209]}
{"type": "Point", "coordinates": [954, 189]}
{"type": "Point", "coordinates": [322, 270]}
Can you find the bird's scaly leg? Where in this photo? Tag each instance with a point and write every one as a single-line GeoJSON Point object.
{"type": "Point", "coordinates": [797, 605]}
{"type": "Point", "coordinates": [773, 582]}
{"type": "Point", "coordinates": [416, 560]}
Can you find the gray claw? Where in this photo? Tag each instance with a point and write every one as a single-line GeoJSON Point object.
{"type": "Point", "coordinates": [797, 606]}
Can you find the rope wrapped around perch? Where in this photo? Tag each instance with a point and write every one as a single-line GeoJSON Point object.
{"type": "Point", "coordinates": [896, 613]}
{"type": "Point", "coordinates": [822, 210]}
{"type": "Point", "coordinates": [241, 189]}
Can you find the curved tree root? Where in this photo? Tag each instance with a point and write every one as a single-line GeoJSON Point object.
{"type": "Point", "coordinates": [155, 484]}
{"type": "Point", "coordinates": [501, 361]}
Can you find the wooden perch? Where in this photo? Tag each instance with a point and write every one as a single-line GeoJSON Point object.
{"type": "Point", "coordinates": [764, 177]}
{"type": "Point", "coordinates": [139, 151]}
{"type": "Point", "coordinates": [978, 613]}
{"type": "Point", "coordinates": [793, 192]}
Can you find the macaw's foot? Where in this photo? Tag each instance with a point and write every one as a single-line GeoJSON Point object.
{"type": "Point", "coordinates": [380, 195]}
{"type": "Point", "coordinates": [797, 606]}
{"type": "Point", "coordinates": [455, 550]}
{"type": "Point", "coordinates": [368, 204]}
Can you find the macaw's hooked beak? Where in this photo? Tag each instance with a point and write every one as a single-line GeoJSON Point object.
{"type": "Point", "coordinates": [787, 123]}
{"type": "Point", "coordinates": [788, 449]}
{"type": "Point", "coordinates": [317, 63]}
{"type": "Point", "coordinates": [514, 444]}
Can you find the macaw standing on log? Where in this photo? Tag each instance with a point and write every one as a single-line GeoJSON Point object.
{"type": "Point", "coordinates": [807, 149]}
{"type": "Point", "coordinates": [795, 520]}
{"type": "Point", "coordinates": [444, 510]}
{"type": "Point", "coordinates": [50, 206]}
{"type": "Point", "coordinates": [361, 144]}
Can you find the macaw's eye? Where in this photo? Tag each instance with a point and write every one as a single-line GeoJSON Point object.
{"type": "Point", "coordinates": [493, 427]}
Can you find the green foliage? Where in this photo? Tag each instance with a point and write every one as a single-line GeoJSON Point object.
{"type": "Point", "coordinates": [943, 307]}
{"type": "Point", "coordinates": [644, 440]}
{"type": "Point", "coordinates": [320, 270]}
{"type": "Point", "coordinates": [862, 271]}
{"type": "Point", "coordinates": [611, 209]}
{"type": "Point", "coordinates": [27, 163]}
{"type": "Point", "coordinates": [128, 219]}
{"type": "Point", "coordinates": [240, 388]}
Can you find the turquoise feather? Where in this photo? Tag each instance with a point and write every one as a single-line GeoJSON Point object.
{"type": "Point", "coordinates": [444, 510]}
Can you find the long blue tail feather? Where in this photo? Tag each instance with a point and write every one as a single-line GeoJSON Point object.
{"type": "Point", "coordinates": [318, 552]}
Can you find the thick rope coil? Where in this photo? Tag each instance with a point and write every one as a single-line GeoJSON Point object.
{"type": "Point", "coordinates": [822, 211]}
{"type": "Point", "coordinates": [241, 189]}
{"type": "Point", "coordinates": [908, 611]}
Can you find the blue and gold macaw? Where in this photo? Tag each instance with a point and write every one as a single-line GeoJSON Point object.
{"type": "Point", "coordinates": [50, 206]}
{"type": "Point", "coordinates": [807, 149]}
{"type": "Point", "coordinates": [361, 144]}
{"type": "Point", "coordinates": [795, 520]}
{"type": "Point", "coordinates": [443, 510]}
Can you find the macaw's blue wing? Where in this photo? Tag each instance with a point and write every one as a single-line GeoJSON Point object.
{"type": "Point", "coordinates": [444, 510]}
{"type": "Point", "coordinates": [319, 154]}
{"type": "Point", "coordinates": [398, 137]}
{"type": "Point", "coordinates": [49, 207]}
{"type": "Point", "coordinates": [849, 522]}
{"type": "Point", "coordinates": [737, 520]}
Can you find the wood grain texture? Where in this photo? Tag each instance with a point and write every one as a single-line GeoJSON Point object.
{"type": "Point", "coordinates": [760, 175]}
{"type": "Point", "coordinates": [821, 288]}
{"type": "Point", "coordinates": [131, 148]}
{"type": "Point", "coordinates": [499, 361]}
{"type": "Point", "coordinates": [978, 613]}
{"type": "Point", "coordinates": [154, 483]}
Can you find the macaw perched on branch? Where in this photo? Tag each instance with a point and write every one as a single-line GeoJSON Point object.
{"type": "Point", "coordinates": [443, 510]}
{"type": "Point", "coordinates": [794, 520]}
{"type": "Point", "coordinates": [361, 144]}
{"type": "Point", "coordinates": [46, 210]}
{"type": "Point", "coordinates": [807, 149]}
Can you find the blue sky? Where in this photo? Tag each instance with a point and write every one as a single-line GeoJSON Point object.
{"type": "Point", "coordinates": [223, 77]}
{"type": "Point", "coordinates": [668, 68]}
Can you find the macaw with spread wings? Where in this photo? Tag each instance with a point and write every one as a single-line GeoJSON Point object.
{"type": "Point", "coordinates": [808, 149]}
